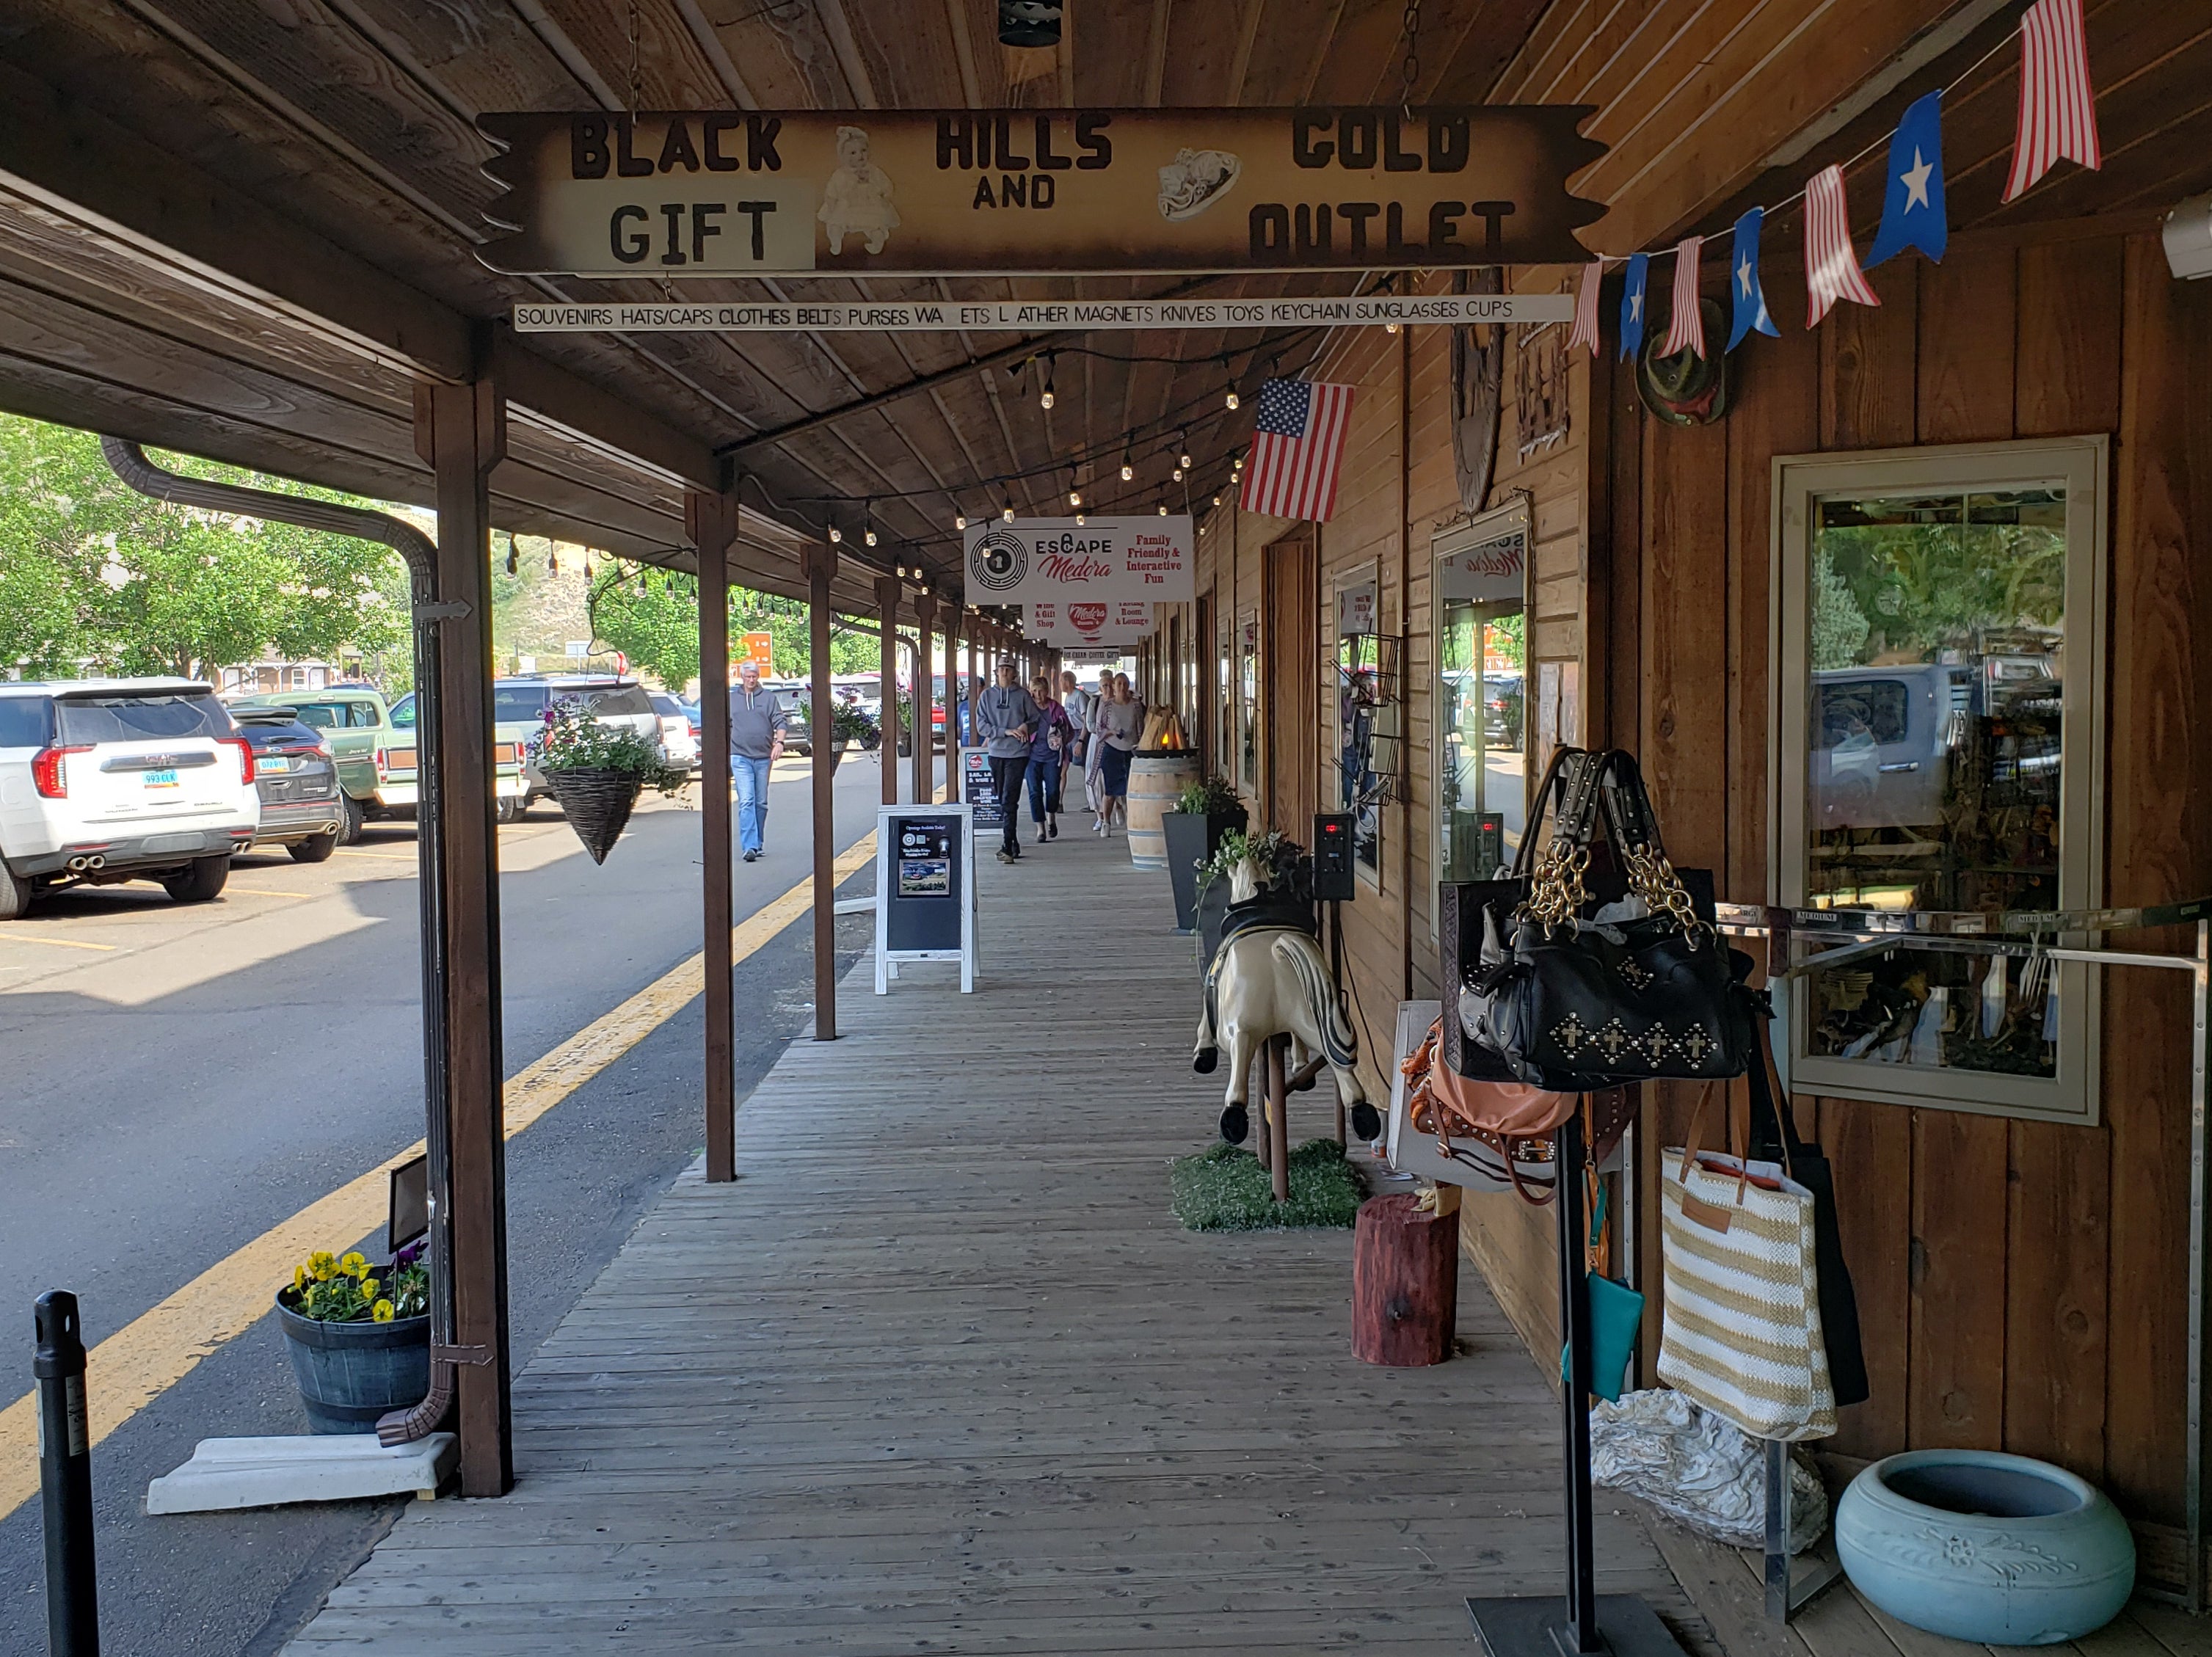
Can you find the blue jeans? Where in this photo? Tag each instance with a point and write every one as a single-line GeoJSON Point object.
{"type": "Point", "coordinates": [751, 777]}
{"type": "Point", "coordinates": [1044, 787]}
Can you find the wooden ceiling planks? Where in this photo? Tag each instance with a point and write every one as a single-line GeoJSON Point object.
{"type": "Point", "coordinates": [1478, 39]}
{"type": "Point", "coordinates": [478, 52]}
{"type": "Point", "coordinates": [1291, 43]}
{"type": "Point", "coordinates": [1206, 43]}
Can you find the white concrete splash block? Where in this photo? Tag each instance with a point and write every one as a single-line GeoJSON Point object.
{"type": "Point", "coordinates": [266, 1473]}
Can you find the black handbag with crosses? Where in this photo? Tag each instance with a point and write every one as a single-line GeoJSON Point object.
{"type": "Point", "coordinates": [1578, 1002]}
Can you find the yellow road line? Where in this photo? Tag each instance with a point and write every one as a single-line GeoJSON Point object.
{"type": "Point", "coordinates": [147, 1357]}
{"type": "Point", "coordinates": [58, 942]}
{"type": "Point", "coordinates": [267, 891]}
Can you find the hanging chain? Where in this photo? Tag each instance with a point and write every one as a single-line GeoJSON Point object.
{"type": "Point", "coordinates": [633, 75]}
{"type": "Point", "coordinates": [1410, 69]}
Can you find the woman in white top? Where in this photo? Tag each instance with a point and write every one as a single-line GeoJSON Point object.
{"type": "Point", "coordinates": [1094, 749]}
{"type": "Point", "coordinates": [1116, 726]}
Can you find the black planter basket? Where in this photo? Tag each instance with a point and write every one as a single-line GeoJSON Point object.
{"type": "Point", "coordinates": [1192, 840]}
{"type": "Point", "coordinates": [597, 805]}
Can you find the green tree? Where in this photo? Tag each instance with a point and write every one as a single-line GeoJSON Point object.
{"type": "Point", "coordinates": [651, 616]}
{"type": "Point", "coordinates": [1839, 626]}
{"type": "Point", "coordinates": [98, 574]}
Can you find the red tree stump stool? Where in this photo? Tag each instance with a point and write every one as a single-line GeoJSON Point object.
{"type": "Point", "coordinates": [1405, 1283]}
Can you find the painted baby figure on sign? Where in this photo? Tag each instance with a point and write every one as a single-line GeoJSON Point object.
{"type": "Point", "coordinates": [857, 201]}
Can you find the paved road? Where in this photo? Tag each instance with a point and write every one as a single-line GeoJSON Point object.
{"type": "Point", "coordinates": [210, 1071]}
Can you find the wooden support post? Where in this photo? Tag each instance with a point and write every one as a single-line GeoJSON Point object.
{"type": "Point", "coordinates": [887, 598]}
{"type": "Point", "coordinates": [821, 567]}
{"type": "Point", "coordinates": [1405, 1281]}
{"type": "Point", "coordinates": [925, 762]}
{"type": "Point", "coordinates": [711, 520]}
{"type": "Point", "coordinates": [1278, 1119]}
{"type": "Point", "coordinates": [461, 432]}
{"type": "Point", "coordinates": [954, 618]}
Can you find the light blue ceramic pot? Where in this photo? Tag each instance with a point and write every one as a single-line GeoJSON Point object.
{"type": "Point", "coordinates": [1978, 1545]}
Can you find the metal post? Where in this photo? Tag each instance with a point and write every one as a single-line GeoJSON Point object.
{"type": "Point", "coordinates": [953, 620]}
{"type": "Point", "coordinates": [821, 565]}
{"type": "Point", "coordinates": [65, 1477]}
{"type": "Point", "coordinates": [887, 598]}
{"type": "Point", "coordinates": [1580, 1633]}
{"type": "Point", "coordinates": [925, 786]}
{"type": "Point", "coordinates": [711, 519]}
{"type": "Point", "coordinates": [1278, 1119]}
{"type": "Point", "coordinates": [461, 432]}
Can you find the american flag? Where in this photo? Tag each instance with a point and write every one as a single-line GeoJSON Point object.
{"type": "Point", "coordinates": [1831, 267]}
{"type": "Point", "coordinates": [1297, 449]}
{"type": "Point", "coordinates": [1585, 331]}
{"type": "Point", "coordinates": [1686, 330]}
{"type": "Point", "coordinates": [2057, 106]}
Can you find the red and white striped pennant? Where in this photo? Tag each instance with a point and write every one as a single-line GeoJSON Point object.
{"type": "Point", "coordinates": [1686, 329]}
{"type": "Point", "coordinates": [1585, 331]}
{"type": "Point", "coordinates": [2057, 105]}
{"type": "Point", "coordinates": [1832, 265]}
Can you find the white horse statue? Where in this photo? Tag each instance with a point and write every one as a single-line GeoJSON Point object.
{"type": "Point", "coordinates": [1270, 981]}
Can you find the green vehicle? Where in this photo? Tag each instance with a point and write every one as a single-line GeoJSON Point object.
{"type": "Point", "coordinates": [373, 744]}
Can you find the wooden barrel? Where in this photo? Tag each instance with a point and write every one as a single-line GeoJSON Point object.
{"type": "Point", "coordinates": [1155, 780]}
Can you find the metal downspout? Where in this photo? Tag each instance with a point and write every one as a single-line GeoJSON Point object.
{"type": "Point", "coordinates": [128, 461]}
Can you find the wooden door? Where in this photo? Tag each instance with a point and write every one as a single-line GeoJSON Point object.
{"type": "Point", "coordinates": [1289, 669]}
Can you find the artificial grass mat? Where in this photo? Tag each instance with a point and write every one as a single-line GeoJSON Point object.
{"type": "Point", "coordinates": [1225, 1189]}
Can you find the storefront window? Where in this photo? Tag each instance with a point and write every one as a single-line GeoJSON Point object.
{"type": "Point", "coordinates": [1940, 655]}
{"type": "Point", "coordinates": [1248, 700]}
{"type": "Point", "coordinates": [1481, 695]}
{"type": "Point", "coordinates": [1360, 691]}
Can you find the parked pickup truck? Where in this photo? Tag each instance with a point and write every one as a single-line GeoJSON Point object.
{"type": "Point", "coordinates": [373, 743]}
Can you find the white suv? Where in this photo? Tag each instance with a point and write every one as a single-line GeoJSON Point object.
{"type": "Point", "coordinates": [104, 780]}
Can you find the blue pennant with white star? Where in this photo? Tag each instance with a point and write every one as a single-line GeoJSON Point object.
{"type": "Point", "coordinates": [1750, 309]}
{"type": "Point", "coordinates": [1912, 207]}
{"type": "Point", "coordinates": [1632, 306]}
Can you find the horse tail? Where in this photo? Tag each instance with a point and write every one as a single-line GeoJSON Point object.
{"type": "Point", "coordinates": [1340, 1046]}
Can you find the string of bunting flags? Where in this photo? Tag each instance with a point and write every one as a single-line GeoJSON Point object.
{"type": "Point", "coordinates": [2058, 119]}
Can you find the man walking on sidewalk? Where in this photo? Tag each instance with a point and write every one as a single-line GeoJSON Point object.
{"type": "Point", "coordinates": [756, 745]}
{"type": "Point", "coordinates": [1005, 719]}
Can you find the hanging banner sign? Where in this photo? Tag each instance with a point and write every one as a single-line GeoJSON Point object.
{"type": "Point", "coordinates": [1017, 316]}
{"type": "Point", "coordinates": [1088, 622]}
{"type": "Point", "coordinates": [1034, 560]}
{"type": "Point", "coordinates": [948, 192]}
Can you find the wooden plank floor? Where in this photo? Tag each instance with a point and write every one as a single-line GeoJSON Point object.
{"type": "Point", "coordinates": [940, 1372]}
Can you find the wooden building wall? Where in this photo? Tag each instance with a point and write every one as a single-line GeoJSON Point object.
{"type": "Point", "coordinates": [2021, 1284]}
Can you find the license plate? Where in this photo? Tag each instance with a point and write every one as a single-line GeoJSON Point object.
{"type": "Point", "coordinates": [160, 779]}
{"type": "Point", "coordinates": [273, 762]}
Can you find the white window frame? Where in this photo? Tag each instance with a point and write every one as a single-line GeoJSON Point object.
{"type": "Point", "coordinates": [1516, 514]}
{"type": "Point", "coordinates": [2080, 465]}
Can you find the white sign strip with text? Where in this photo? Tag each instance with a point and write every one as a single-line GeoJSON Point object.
{"type": "Point", "coordinates": [1367, 310]}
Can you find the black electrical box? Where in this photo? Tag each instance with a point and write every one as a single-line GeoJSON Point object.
{"type": "Point", "coordinates": [1332, 857]}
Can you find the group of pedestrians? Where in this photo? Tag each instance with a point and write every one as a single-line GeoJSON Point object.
{"type": "Point", "coordinates": [1039, 739]}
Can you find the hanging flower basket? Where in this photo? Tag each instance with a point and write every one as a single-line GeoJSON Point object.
{"type": "Point", "coordinates": [596, 803]}
{"type": "Point", "coordinates": [597, 771]}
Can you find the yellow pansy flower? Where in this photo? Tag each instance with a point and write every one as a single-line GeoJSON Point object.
{"type": "Point", "coordinates": [369, 1285]}
{"type": "Point", "coordinates": [299, 1278]}
{"type": "Point", "coordinates": [353, 1264]}
{"type": "Point", "coordinates": [322, 1262]}
{"type": "Point", "coordinates": [382, 1312]}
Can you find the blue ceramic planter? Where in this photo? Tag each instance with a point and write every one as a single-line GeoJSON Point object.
{"type": "Point", "coordinates": [351, 1374]}
{"type": "Point", "coordinates": [1978, 1545]}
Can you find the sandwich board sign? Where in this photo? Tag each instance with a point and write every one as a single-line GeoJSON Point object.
{"type": "Point", "coordinates": [925, 889]}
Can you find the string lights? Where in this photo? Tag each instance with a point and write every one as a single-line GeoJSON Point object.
{"type": "Point", "coordinates": [1045, 401]}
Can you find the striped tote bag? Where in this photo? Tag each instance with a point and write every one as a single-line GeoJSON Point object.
{"type": "Point", "coordinates": [1743, 1328]}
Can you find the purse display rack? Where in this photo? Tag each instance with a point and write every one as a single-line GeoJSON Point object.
{"type": "Point", "coordinates": [1801, 941]}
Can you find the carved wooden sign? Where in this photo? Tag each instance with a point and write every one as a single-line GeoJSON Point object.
{"type": "Point", "coordinates": [931, 192]}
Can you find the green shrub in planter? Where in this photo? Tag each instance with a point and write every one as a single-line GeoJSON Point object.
{"type": "Point", "coordinates": [1205, 813]}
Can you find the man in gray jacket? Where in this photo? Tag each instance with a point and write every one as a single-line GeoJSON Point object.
{"type": "Point", "coordinates": [756, 745]}
{"type": "Point", "coordinates": [1006, 718]}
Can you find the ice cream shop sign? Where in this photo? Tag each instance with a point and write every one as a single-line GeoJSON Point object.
{"type": "Point", "coordinates": [947, 192]}
{"type": "Point", "coordinates": [1067, 562]}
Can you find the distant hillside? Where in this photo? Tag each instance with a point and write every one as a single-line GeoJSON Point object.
{"type": "Point", "coordinates": [537, 610]}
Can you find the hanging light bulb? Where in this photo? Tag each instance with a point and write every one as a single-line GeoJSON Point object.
{"type": "Point", "coordinates": [1163, 511]}
{"type": "Point", "coordinates": [1008, 513]}
{"type": "Point", "coordinates": [513, 564]}
{"type": "Point", "coordinates": [1075, 497]}
{"type": "Point", "coordinates": [1045, 401]}
{"type": "Point", "coordinates": [836, 535]}
{"type": "Point", "coordinates": [1390, 327]}
{"type": "Point", "coordinates": [1128, 470]}
{"type": "Point", "coordinates": [1237, 462]}
{"type": "Point", "coordinates": [960, 520]}
{"type": "Point", "coordinates": [552, 560]}
{"type": "Point", "coordinates": [1079, 520]}
{"type": "Point", "coordinates": [1217, 500]}
{"type": "Point", "coordinates": [1233, 401]}
{"type": "Point", "coordinates": [1178, 474]}
{"type": "Point", "coordinates": [1182, 452]}
{"type": "Point", "coordinates": [587, 566]}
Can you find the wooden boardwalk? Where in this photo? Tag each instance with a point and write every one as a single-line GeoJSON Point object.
{"type": "Point", "coordinates": [939, 1373]}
